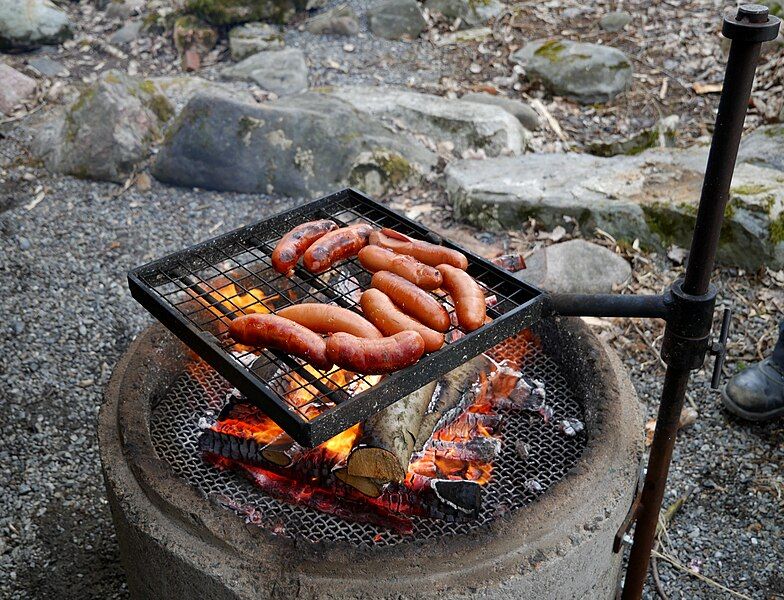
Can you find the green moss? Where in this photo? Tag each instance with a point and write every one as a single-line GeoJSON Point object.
{"type": "Point", "coordinates": [688, 208]}
{"type": "Point", "coordinates": [551, 50]}
{"type": "Point", "coordinates": [148, 87]}
{"type": "Point", "coordinates": [231, 12]}
{"type": "Point", "coordinates": [750, 189]}
{"type": "Point", "coordinates": [776, 229]}
{"type": "Point", "coordinates": [111, 78]}
{"type": "Point", "coordinates": [161, 107]}
{"type": "Point", "coordinates": [396, 168]}
{"type": "Point", "coordinates": [775, 131]}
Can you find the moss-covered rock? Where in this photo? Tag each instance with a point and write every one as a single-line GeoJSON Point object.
{"type": "Point", "coordinates": [652, 197]}
{"type": "Point", "coordinates": [587, 73]}
{"type": "Point", "coordinates": [107, 131]}
{"type": "Point", "coordinates": [232, 12]}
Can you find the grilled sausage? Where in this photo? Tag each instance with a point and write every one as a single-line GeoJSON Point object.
{"type": "Point", "coordinates": [375, 357]}
{"type": "Point", "coordinates": [430, 254]}
{"type": "Point", "coordinates": [376, 258]}
{"type": "Point", "coordinates": [380, 311]}
{"type": "Point", "coordinates": [467, 295]}
{"type": "Point", "coordinates": [327, 318]}
{"type": "Point", "coordinates": [412, 300]}
{"type": "Point", "coordinates": [272, 331]}
{"type": "Point", "coordinates": [336, 245]}
{"type": "Point", "coordinates": [293, 245]}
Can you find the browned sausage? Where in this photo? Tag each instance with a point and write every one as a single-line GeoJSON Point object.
{"type": "Point", "coordinates": [380, 310]}
{"type": "Point", "coordinates": [467, 295]}
{"type": "Point", "coordinates": [375, 357]}
{"type": "Point", "coordinates": [272, 331]}
{"type": "Point", "coordinates": [336, 245]}
{"type": "Point", "coordinates": [412, 300]}
{"type": "Point", "coordinates": [293, 245]}
{"type": "Point", "coordinates": [327, 318]}
{"type": "Point", "coordinates": [430, 254]}
{"type": "Point", "coordinates": [376, 258]}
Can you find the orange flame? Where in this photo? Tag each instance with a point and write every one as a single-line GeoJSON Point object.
{"type": "Point", "coordinates": [232, 298]}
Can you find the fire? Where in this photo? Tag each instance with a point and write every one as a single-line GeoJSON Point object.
{"type": "Point", "coordinates": [231, 299]}
{"type": "Point", "coordinates": [342, 443]}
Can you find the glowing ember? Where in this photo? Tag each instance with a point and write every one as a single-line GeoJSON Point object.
{"type": "Point", "coordinates": [461, 453]}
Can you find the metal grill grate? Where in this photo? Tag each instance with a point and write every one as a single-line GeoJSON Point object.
{"type": "Point", "coordinates": [195, 293]}
{"type": "Point", "coordinates": [200, 393]}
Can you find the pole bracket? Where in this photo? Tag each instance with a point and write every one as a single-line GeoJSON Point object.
{"type": "Point", "coordinates": [634, 510]}
{"type": "Point", "coordinates": [689, 319]}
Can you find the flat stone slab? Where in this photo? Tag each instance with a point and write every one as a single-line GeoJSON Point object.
{"type": "Point", "coordinates": [764, 147]}
{"type": "Point", "coordinates": [651, 197]}
{"type": "Point", "coordinates": [396, 19]}
{"type": "Point", "coordinates": [280, 71]}
{"type": "Point", "coordinates": [16, 87]}
{"type": "Point", "coordinates": [577, 267]}
{"type": "Point", "coordinates": [28, 24]}
{"type": "Point", "coordinates": [465, 125]}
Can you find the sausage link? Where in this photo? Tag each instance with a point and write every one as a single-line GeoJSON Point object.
{"type": "Point", "coordinates": [294, 244]}
{"type": "Point", "coordinates": [382, 312]}
{"type": "Point", "coordinates": [375, 357]}
{"type": "Point", "coordinates": [335, 246]}
{"type": "Point", "coordinates": [413, 301]}
{"type": "Point", "coordinates": [430, 254]}
{"type": "Point", "coordinates": [327, 318]}
{"type": "Point", "coordinates": [376, 258]}
{"type": "Point", "coordinates": [467, 295]}
{"type": "Point", "coordinates": [272, 331]}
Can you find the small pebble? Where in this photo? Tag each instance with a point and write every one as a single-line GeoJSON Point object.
{"type": "Point", "coordinates": [349, 47]}
{"type": "Point", "coordinates": [24, 243]}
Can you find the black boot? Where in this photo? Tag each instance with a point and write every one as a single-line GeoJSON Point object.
{"type": "Point", "coordinates": [757, 393]}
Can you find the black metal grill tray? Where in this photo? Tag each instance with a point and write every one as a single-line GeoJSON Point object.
{"type": "Point", "coordinates": [190, 293]}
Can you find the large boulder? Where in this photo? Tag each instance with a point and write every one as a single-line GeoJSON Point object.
{"type": "Point", "coordinates": [27, 24]}
{"type": "Point", "coordinates": [472, 13]}
{"type": "Point", "coordinates": [576, 267]}
{"type": "Point", "coordinates": [107, 131]}
{"type": "Point", "coordinates": [304, 145]}
{"type": "Point", "coordinates": [764, 147]}
{"type": "Point", "coordinates": [340, 20]}
{"type": "Point", "coordinates": [465, 125]}
{"type": "Point", "coordinates": [233, 12]}
{"type": "Point", "coordinates": [396, 19]}
{"type": "Point", "coordinates": [651, 197]}
{"type": "Point", "coordinates": [587, 73]}
{"type": "Point", "coordinates": [16, 88]}
{"type": "Point", "coordinates": [280, 71]}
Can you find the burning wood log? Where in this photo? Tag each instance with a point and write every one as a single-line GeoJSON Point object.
{"type": "Point", "coordinates": [283, 450]}
{"type": "Point", "coordinates": [392, 436]}
{"type": "Point", "coordinates": [388, 438]}
{"type": "Point", "coordinates": [369, 487]}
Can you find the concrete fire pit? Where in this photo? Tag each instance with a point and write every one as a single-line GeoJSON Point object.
{"type": "Point", "coordinates": [175, 541]}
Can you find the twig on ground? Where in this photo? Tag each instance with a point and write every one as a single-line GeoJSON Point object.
{"type": "Point", "coordinates": [700, 576]}
{"type": "Point", "coordinates": [19, 117]}
{"type": "Point", "coordinates": [539, 107]}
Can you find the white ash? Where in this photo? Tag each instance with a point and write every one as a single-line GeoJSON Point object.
{"type": "Point", "coordinates": [571, 427]}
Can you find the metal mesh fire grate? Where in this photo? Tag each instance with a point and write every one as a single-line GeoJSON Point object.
{"type": "Point", "coordinates": [201, 392]}
{"type": "Point", "coordinates": [195, 293]}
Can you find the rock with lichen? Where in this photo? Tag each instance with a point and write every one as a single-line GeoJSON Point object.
{"type": "Point", "coordinates": [234, 12]}
{"type": "Point", "coordinates": [396, 19]}
{"type": "Point", "coordinates": [651, 197]}
{"type": "Point", "coordinates": [586, 73]}
{"type": "Point", "coordinates": [661, 135]}
{"type": "Point", "coordinates": [340, 20]}
{"type": "Point", "coordinates": [28, 24]}
{"type": "Point", "coordinates": [302, 145]}
{"type": "Point", "coordinates": [280, 71]}
{"type": "Point", "coordinates": [472, 13]}
{"type": "Point", "coordinates": [250, 38]}
{"type": "Point", "coordinates": [764, 146]}
{"type": "Point", "coordinates": [107, 131]}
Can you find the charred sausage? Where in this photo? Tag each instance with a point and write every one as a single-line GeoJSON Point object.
{"type": "Point", "coordinates": [412, 300]}
{"type": "Point", "coordinates": [430, 254]}
{"type": "Point", "coordinates": [380, 311]}
{"type": "Point", "coordinates": [293, 245]}
{"type": "Point", "coordinates": [327, 318]}
{"type": "Point", "coordinates": [272, 331]}
{"type": "Point", "coordinates": [376, 258]}
{"type": "Point", "coordinates": [375, 357]}
{"type": "Point", "coordinates": [335, 246]}
{"type": "Point", "coordinates": [467, 295]}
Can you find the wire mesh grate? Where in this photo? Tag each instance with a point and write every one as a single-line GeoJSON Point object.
{"type": "Point", "coordinates": [199, 393]}
{"type": "Point", "coordinates": [197, 292]}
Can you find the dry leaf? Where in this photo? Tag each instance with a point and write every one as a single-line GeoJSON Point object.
{"type": "Point", "coordinates": [688, 417]}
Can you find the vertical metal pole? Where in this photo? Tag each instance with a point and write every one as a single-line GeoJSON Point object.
{"type": "Point", "coordinates": [686, 343]}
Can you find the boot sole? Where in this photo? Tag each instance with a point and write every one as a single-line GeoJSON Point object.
{"type": "Point", "coordinates": [736, 410]}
